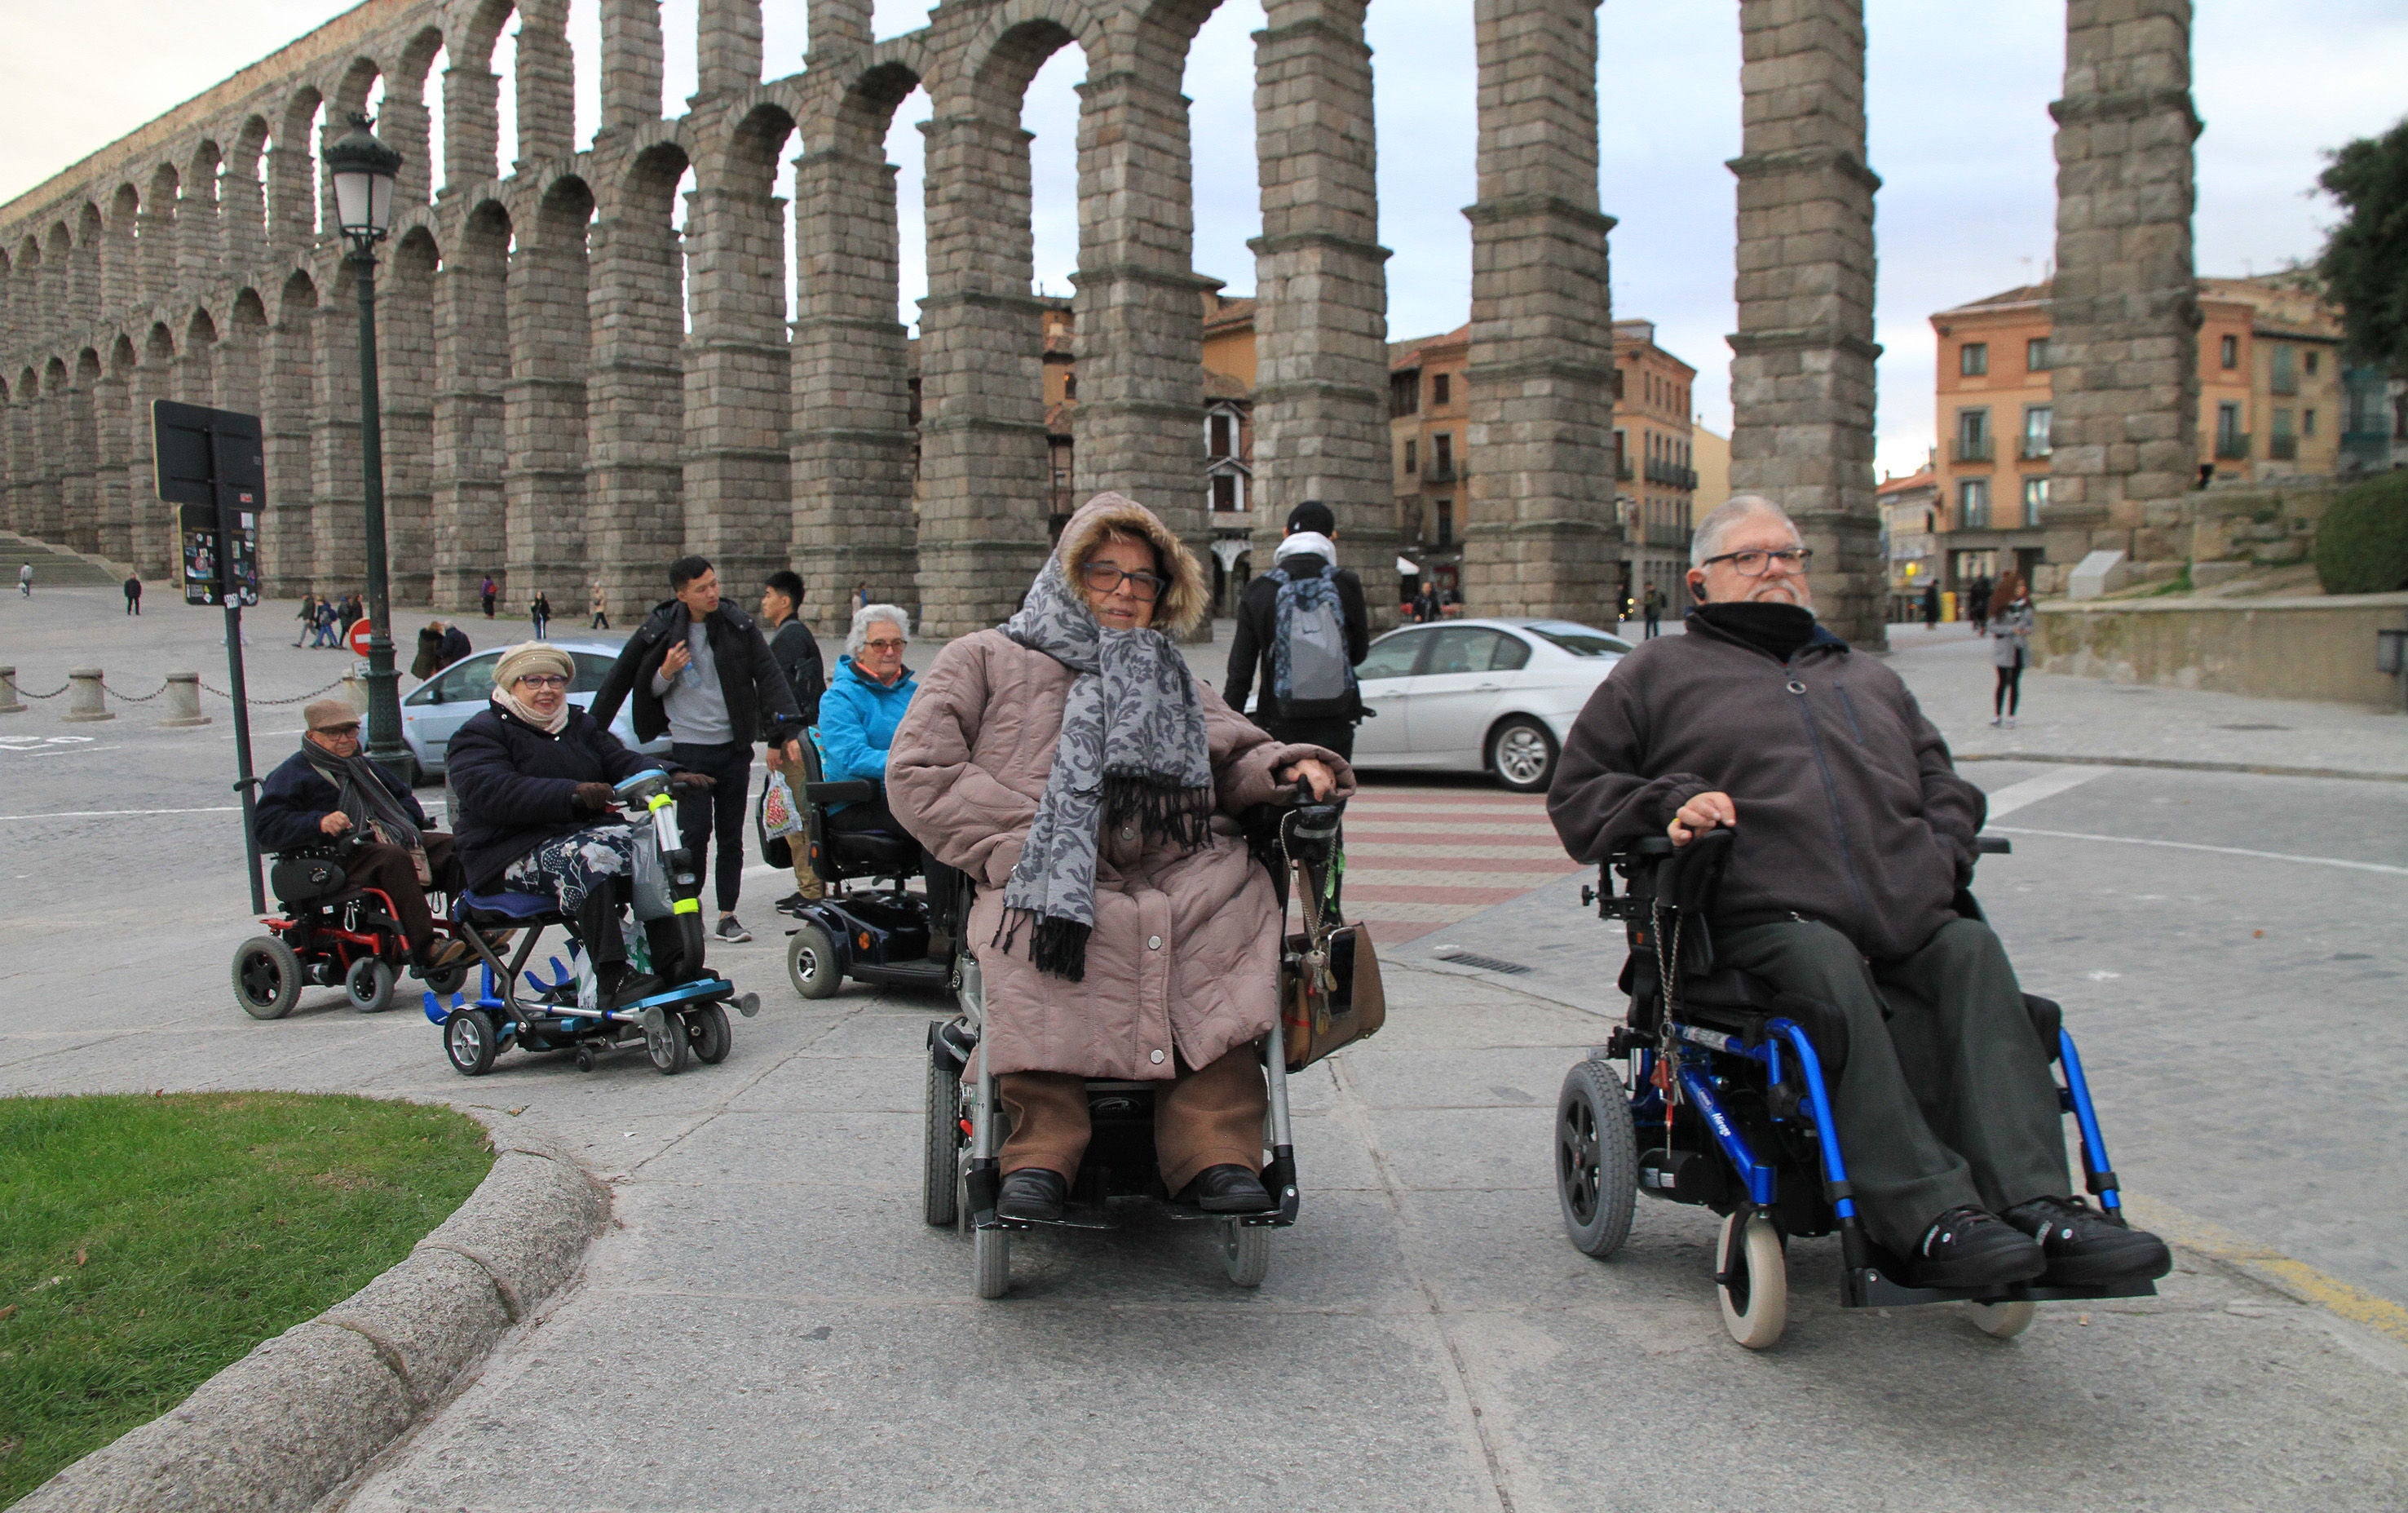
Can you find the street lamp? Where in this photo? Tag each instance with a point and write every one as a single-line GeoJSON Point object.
{"type": "Point", "coordinates": [364, 170]}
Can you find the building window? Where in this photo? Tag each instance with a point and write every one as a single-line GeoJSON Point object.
{"type": "Point", "coordinates": [2287, 373]}
{"type": "Point", "coordinates": [2282, 441]}
{"type": "Point", "coordinates": [1973, 504]}
{"type": "Point", "coordinates": [2311, 360]}
{"type": "Point", "coordinates": [1441, 385]}
{"type": "Point", "coordinates": [2037, 420]}
{"type": "Point", "coordinates": [1225, 493]}
{"type": "Point", "coordinates": [1973, 435]}
{"type": "Point", "coordinates": [1413, 458]}
{"type": "Point", "coordinates": [2308, 418]}
{"type": "Point", "coordinates": [1218, 445]}
{"type": "Point", "coordinates": [2036, 354]}
{"type": "Point", "coordinates": [1621, 453]}
{"type": "Point", "coordinates": [2230, 440]}
{"type": "Point", "coordinates": [1070, 387]}
{"type": "Point", "coordinates": [2229, 351]}
{"type": "Point", "coordinates": [1973, 359]}
{"type": "Point", "coordinates": [1405, 392]}
{"type": "Point", "coordinates": [2035, 499]}
{"type": "Point", "coordinates": [1444, 510]}
{"type": "Point", "coordinates": [1442, 454]}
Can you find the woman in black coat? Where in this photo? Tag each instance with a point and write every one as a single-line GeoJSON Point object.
{"type": "Point", "coordinates": [537, 813]}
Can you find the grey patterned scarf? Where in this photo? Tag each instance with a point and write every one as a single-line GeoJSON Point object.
{"type": "Point", "coordinates": [1132, 745]}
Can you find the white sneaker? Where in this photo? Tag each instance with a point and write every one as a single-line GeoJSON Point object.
{"type": "Point", "coordinates": [732, 932]}
{"type": "Point", "coordinates": [1994, 720]}
{"type": "Point", "coordinates": [2011, 722]}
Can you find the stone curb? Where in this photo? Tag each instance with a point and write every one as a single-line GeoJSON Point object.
{"type": "Point", "coordinates": [306, 1411]}
{"type": "Point", "coordinates": [2259, 769]}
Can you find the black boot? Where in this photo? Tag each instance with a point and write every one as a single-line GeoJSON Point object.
{"type": "Point", "coordinates": [1227, 1189]}
{"type": "Point", "coordinates": [1968, 1248]}
{"type": "Point", "coordinates": [1032, 1194]}
{"type": "Point", "coordinates": [2085, 1247]}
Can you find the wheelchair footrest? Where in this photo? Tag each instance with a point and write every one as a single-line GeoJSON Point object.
{"type": "Point", "coordinates": [1871, 1289]}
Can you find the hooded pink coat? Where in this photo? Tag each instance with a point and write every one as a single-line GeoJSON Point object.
{"type": "Point", "coordinates": [1182, 964]}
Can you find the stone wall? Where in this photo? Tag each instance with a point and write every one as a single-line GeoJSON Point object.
{"type": "Point", "coordinates": [2277, 648]}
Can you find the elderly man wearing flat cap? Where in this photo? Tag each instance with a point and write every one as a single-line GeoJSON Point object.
{"type": "Point", "coordinates": [327, 791]}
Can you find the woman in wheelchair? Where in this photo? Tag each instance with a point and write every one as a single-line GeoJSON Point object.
{"type": "Point", "coordinates": [1071, 765]}
{"type": "Point", "coordinates": [533, 776]}
{"type": "Point", "coordinates": [864, 703]}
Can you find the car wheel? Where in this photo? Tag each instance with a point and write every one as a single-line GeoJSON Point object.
{"type": "Point", "coordinates": [1522, 754]}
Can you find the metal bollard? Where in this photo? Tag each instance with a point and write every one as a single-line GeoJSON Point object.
{"type": "Point", "coordinates": [85, 700]}
{"type": "Point", "coordinates": [9, 702]}
{"type": "Point", "coordinates": [184, 700]}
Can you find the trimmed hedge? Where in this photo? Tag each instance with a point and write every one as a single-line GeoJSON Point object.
{"type": "Point", "coordinates": [2363, 542]}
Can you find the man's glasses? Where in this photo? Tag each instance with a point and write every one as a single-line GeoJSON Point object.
{"type": "Point", "coordinates": [886, 645]}
{"type": "Point", "coordinates": [1103, 578]}
{"type": "Point", "coordinates": [1755, 564]}
{"type": "Point", "coordinates": [544, 679]}
{"type": "Point", "coordinates": [339, 732]}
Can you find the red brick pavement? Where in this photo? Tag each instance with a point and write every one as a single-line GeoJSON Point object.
{"type": "Point", "coordinates": [1419, 858]}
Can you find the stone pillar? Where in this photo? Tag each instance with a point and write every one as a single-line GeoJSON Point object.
{"type": "Point", "coordinates": [631, 63]}
{"type": "Point", "coordinates": [405, 386]}
{"type": "Point", "coordinates": [22, 512]}
{"type": "Point", "coordinates": [243, 215]}
{"type": "Point", "coordinates": [1139, 309]}
{"type": "Point", "coordinates": [544, 408]}
{"type": "Point", "coordinates": [1321, 296]}
{"type": "Point", "coordinates": [1539, 536]}
{"type": "Point", "coordinates": [728, 45]}
{"type": "Point", "coordinates": [183, 706]}
{"type": "Point", "coordinates": [292, 190]}
{"type": "Point", "coordinates": [852, 437]}
{"type": "Point", "coordinates": [287, 552]}
{"type": "Point", "coordinates": [738, 483]}
{"type": "Point", "coordinates": [402, 125]}
{"type": "Point", "coordinates": [337, 511]}
{"type": "Point", "coordinates": [157, 277]}
{"type": "Point", "coordinates": [1803, 359]}
{"type": "Point", "coordinates": [547, 81]}
{"type": "Point", "coordinates": [835, 25]}
{"type": "Point", "coordinates": [112, 418]}
{"type": "Point", "coordinates": [986, 478]}
{"type": "Point", "coordinates": [2124, 313]}
{"type": "Point", "coordinates": [472, 368]}
{"type": "Point", "coordinates": [153, 531]}
{"type": "Point", "coordinates": [635, 417]}
{"type": "Point", "coordinates": [50, 447]}
{"type": "Point", "coordinates": [199, 259]}
{"type": "Point", "coordinates": [471, 125]}
{"type": "Point", "coordinates": [120, 273]}
{"type": "Point", "coordinates": [79, 461]}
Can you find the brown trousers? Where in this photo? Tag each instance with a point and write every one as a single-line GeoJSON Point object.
{"type": "Point", "coordinates": [389, 867]}
{"type": "Point", "coordinates": [1213, 1118]}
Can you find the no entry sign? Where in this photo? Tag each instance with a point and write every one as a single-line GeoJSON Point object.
{"type": "Point", "coordinates": [360, 637]}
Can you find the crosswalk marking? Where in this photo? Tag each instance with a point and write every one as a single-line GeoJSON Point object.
{"type": "Point", "coordinates": [1422, 857]}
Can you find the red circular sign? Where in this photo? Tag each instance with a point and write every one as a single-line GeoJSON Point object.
{"type": "Point", "coordinates": [360, 637]}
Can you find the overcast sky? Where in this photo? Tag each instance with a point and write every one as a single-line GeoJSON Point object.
{"type": "Point", "coordinates": [1959, 90]}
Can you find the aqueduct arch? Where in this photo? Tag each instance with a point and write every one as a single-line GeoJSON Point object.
{"type": "Point", "coordinates": [577, 390]}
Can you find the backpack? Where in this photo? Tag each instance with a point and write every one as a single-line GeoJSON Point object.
{"type": "Point", "coordinates": [1310, 676]}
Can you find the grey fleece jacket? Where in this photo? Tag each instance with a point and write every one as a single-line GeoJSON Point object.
{"type": "Point", "coordinates": [1849, 809]}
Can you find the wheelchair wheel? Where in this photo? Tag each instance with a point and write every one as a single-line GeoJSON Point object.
{"type": "Point", "coordinates": [994, 1249]}
{"type": "Point", "coordinates": [267, 978]}
{"type": "Point", "coordinates": [369, 985]}
{"type": "Point", "coordinates": [666, 1045]}
{"type": "Point", "coordinates": [448, 980]}
{"type": "Point", "coordinates": [1246, 1252]}
{"type": "Point", "coordinates": [2000, 1321]}
{"type": "Point", "coordinates": [469, 1040]}
{"type": "Point", "coordinates": [708, 1034]}
{"type": "Point", "coordinates": [1755, 1293]}
{"type": "Point", "coordinates": [940, 1146]}
{"type": "Point", "coordinates": [811, 962]}
{"type": "Point", "coordinates": [1597, 1160]}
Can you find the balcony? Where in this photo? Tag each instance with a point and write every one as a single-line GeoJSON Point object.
{"type": "Point", "coordinates": [2284, 383]}
{"type": "Point", "coordinates": [2034, 449]}
{"type": "Point", "coordinates": [2231, 445]}
{"type": "Point", "coordinates": [2282, 448]}
{"type": "Point", "coordinates": [1672, 475]}
{"type": "Point", "coordinates": [1621, 470]}
{"type": "Point", "coordinates": [1439, 472]}
{"type": "Point", "coordinates": [1973, 448]}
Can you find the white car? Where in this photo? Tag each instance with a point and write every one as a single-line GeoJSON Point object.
{"type": "Point", "coordinates": [1493, 696]}
{"type": "Point", "coordinates": [431, 711]}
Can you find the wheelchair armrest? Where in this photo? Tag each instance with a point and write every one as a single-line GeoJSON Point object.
{"type": "Point", "coordinates": [858, 791]}
{"type": "Point", "coordinates": [1648, 845]}
{"type": "Point", "coordinates": [1992, 846]}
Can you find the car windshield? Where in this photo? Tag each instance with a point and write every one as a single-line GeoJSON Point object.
{"type": "Point", "coordinates": [1581, 640]}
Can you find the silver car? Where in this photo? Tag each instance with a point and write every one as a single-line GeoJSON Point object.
{"type": "Point", "coordinates": [1495, 696]}
{"type": "Point", "coordinates": [448, 701]}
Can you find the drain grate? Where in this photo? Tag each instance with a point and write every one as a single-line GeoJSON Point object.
{"type": "Point", "coordinates": [2252, 726]}
{"type": "Point", "coordinates": [1486, 963]}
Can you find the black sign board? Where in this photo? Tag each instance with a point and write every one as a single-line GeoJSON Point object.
{"type": "Point", "coordinates": [212, 467]}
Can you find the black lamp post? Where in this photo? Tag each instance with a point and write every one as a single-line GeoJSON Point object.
{"type": "Point", "coordinates": [364, 170]}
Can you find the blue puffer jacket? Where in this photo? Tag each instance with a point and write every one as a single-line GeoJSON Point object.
{"type": "Point", "coordinates": [857, 719]}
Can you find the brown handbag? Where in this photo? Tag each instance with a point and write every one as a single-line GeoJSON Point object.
{"type": "Point", "coordinates": [1329, 979]}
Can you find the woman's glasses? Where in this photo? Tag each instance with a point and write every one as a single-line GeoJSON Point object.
{"type": "Point", "coordinates": [885, 646]}
{"type": "Point", "coordinates": [543, 680]}
{"type": "Point", "coordinates": [1103, 578]}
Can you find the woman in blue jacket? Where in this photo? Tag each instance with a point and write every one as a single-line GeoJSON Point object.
{"type": "Point", "coordinates": [864, 703]}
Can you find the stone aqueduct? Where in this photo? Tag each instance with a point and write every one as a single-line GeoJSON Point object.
{"type": "Point", "coordinates": [550, 418]}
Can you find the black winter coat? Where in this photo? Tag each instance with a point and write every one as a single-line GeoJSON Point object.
{"type": "Point", "coordinates": [1850, 812]}
{"type": "Point", "coordinates": [1250, 652]}
{"type": "Point", "coordinates": [515, 785]}
{"type": "Point", "coordinates": [797, 652]}
{"type": "Point", "coordinates": [760, 705]}
{"type": "Point", "coordinates": [296, 797]}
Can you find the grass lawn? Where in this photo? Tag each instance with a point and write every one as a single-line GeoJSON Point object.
{"type": "Point", "coordinates": [146, 1242]}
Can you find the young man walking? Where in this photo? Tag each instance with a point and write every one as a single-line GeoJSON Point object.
{"type": "Point", "coordinates": [797, 654]}
{"type": "Point", "coordinates": [134, 594]}
{"type": "Point", "coordinates": [701, 670]}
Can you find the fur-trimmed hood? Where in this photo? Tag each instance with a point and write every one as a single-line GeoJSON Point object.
{"type": "Point", "coordinates": [1184, 604]}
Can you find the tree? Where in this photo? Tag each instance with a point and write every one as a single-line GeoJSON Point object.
{"type": "Point", "coordinates": [2365, 260]}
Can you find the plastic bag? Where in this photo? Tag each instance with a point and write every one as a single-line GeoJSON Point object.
{"type": "Point", "coordinates": [780, 816]}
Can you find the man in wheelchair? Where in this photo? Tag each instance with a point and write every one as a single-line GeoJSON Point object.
{"type": "Point", "coordinates": [1853, 838]}
{"type": "Point", "coordinates": [328, 793]}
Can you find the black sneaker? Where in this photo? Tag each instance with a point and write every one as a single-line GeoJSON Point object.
{"type": "Point", "coordinates": [1228, 1189]}
{"type": "Point", "coordinates": [1033, 1195]}
{"type": "Point", "coordinates": [2085, 1248]}
{"type": "Point", "coordinates": [1970, 1247]}
{"type": "Point", "coordinates": [732, 932]}
{"type": "Point", "coordinates": [792, 904]}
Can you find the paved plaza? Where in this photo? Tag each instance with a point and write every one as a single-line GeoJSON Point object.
{"type": "Point", "coordinates": [769, 1325]}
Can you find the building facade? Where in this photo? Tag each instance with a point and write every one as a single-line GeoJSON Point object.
{"type": "Point", "coordinates": [1909, 512]}
{"type": "Point", "coordinates": [1655, 462]}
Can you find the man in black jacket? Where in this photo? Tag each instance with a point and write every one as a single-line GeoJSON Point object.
{"type": "Point", "coordinates": [1255, 650]}
{"type": "Point", "coordinates": [797, 652]}
{"type": "Point", "coordinates": [1853, 835]}
{"type": "Point", "coordinates": [701, 670]}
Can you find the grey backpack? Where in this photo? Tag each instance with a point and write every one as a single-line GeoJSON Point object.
{"type": "Point", "coordinates": [1312, 678]}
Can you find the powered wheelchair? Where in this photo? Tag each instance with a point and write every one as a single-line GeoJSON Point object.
{"type": "Point", "coordinates": [878, 934]}
{"type": "Point", "coordinates": [330, 933]}
{"type": "Point", "coordinates": [964, 1121]}
{"type": "Point", "coordinates": [686, 1018]}
{"type": "Point", "coordinates": [1727, 1106]}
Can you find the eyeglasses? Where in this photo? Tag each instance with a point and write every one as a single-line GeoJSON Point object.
{"type": "Point", "coordinates": [544, 679]}
{"type": "Point", "coordinates": [337, 732]}
{"type": "Point", "coordinates": [1103, 578]}
{"type": "Point", "coordinates": [1754, 564]}
{"type": "Point", "coordinates": [886, 645]}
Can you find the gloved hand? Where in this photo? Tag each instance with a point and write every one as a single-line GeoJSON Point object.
{"type": "Point", "coordinates": [691, 780]}
{"type": "Point", "coordinates": [594, 798]}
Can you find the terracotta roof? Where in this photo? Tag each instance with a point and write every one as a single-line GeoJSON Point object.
{"type": "Point", "coordinates": [2028, 293]}
{"type": "Point", "coordinates": [1219, 385]}
{"type": "Point", "coordinates": [1924, 479]}
{"type": "Point", "coordinates": [1403, 354]}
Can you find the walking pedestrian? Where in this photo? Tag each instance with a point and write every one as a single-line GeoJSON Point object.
{"type": "Point", "coordinates": [134, 593]}
{"type": "Point", "coordinates": [1931, 605]}
{"type": "Point", "coordinates": [1653, 606]}
{"type": "Point", "coordinates": [2010, 632]}
{"type": "Point", "coordinates": [25, 580]}
{"type": "Point", "coordinates": [1426, 603]}
{"type": "Point", "coordinates": [539, 614]}
{"type": "Point", "coordinates": [861, 595]}
{"type": "Point", "coordinates": [701, 672]}
{"type": "Point", "coordinates": [487, 593]}
{"type": "Point", "coordinates": [1977, 603]}
{"type": "Point", "coordinates": [797, 654]}
{"type": "Point", "coordinates": [307, 615]}
{"type": "Point", "coordinates": [600, 604]}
